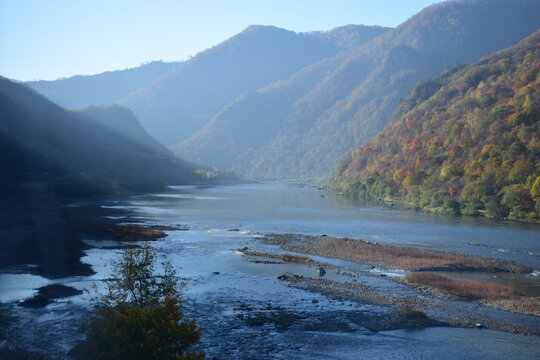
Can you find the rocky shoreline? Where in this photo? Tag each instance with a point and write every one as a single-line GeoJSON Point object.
{"type": "Point", "coordinates": [438, 307]}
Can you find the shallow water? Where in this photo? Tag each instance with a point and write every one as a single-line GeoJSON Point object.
{"type": "Point", "coordinates": [264, 208]}
{"type": "Point", "coordinates": [281, 208]}
{"type": "Point", "coordinates": [221, 286]}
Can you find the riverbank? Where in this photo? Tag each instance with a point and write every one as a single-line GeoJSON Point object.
{"type": "Point", "coordinates": [50, 241]}
{"type": "Point", "coordinates": [47, 247]}
{"type": "Point", "coordinates": [246, 312]}
{"type": "Point", "coordinates": [478, 304]}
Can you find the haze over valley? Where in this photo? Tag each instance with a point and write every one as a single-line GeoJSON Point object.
{"type": "Point", "coordinates": [282, 193]}
{"type": "Point", "coordinates": [270, 103]}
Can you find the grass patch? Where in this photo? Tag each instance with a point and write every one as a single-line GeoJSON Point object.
{"type": "Point", "coordinates": [405, 258]}
{"type": "Point", "coordinates": [463, 288]}
{"type": "Point", "coordinates": [399, 257]}
{"type": "Point", "coordinates": [522, 305]}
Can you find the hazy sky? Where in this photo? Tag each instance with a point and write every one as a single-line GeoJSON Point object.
{"type": "Point", "coordinates": [47, 39]}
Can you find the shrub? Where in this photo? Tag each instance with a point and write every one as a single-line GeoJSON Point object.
{"type": "Point", "coordinates": [412, 314]}
{"type": "Point", "coordinates": [141, 316]}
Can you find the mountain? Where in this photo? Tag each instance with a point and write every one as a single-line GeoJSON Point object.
{"type": "Point", "coordinates": [466, 142]}
{"type": "Point", "coordinates": [310, 120]}
{"type": "Point", "coordinates": [180, 103]}
{"type": "Point", "coordinates": [350, 36]}
{"type": "Point", "coordinates": [85, 90]}
{"type": "Point", "coordinates": [123, 122]}
{"type": "Point", "coordinates": [47, 149]}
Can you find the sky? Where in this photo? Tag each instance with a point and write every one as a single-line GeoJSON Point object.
{"type": "Point", "coordinates": [50, 39]}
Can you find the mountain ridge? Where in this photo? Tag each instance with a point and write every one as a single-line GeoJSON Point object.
{"type": "Point", "coordinates": [85, 90]}
{"type": "Point", "coordinates": [355, 96]}
{"type": "Point", "coordinates": [177, 105]}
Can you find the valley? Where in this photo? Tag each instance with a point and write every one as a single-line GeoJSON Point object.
{"type": "Point", "coordinates": [371, 190]}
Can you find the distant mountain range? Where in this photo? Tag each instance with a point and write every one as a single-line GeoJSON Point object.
{"type": "Point", "coordinates": [301, 127]}
{"type": "Point", "coordinates": [100, 150]}
{"type": "Point", "coordinates": [466, 142]}
{"type": "Point", "coordinates": [174, 100]}
{"type": "Point", "coordinates": [270, 103]}
{"type": "Point", "coordinates": [85, 90]}
{"type": "Point", "coordinates": [180, 103]}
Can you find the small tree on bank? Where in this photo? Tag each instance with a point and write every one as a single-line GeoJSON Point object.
{"type": "Point", "coordinates": [140, 317]}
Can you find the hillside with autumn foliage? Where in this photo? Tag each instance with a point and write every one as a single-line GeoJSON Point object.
{"type": "Point", "coordinates": [467, 141]}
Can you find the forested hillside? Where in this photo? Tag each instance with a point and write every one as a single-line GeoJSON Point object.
{"type": "Point", "coordinates": [85, 90]}
{"type": "Point", "coordinates": [48, 150]}
{"type": "Point", "coordinates": [179, 104]}
{"type": "Point", "coordinates": [302, 126]}
{"type": "Point", "coordinates": [466, 142]}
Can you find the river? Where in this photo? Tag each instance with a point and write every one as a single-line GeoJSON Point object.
{"type": "Point", "coordinates": [222, 289]}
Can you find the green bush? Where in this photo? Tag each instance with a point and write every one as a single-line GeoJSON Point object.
{"type": "Point", "coordinates": [141, 316]}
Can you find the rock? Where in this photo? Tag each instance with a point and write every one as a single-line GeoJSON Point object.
{"type": "Point", "coordinates": [47, 293]}
{"type": "Point", "coordinates": [36, 301]}
{"type": "Point", "coordinates": [282, 277]}
{"type": "Point", "coordinates": [57, 291]}
{"type": "Point", "coordinates": [321, 271]}
{"type": "Point", "coordinates": [216, 273]}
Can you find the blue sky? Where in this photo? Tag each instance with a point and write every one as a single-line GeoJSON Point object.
{"type": "Point", "coordinates": [48, 39]}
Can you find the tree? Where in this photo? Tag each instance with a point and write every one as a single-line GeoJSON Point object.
{"type": "Point", "coordinates": [140, 317]}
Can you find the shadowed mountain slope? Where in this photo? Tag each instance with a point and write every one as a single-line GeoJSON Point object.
{"type": "Point", "coordinates": [123, 122]}
{"type": "Point", "coordinates": [50, 150]}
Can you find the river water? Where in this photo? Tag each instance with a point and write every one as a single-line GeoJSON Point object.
{"type": "Point", "coordinates": [222, 288]}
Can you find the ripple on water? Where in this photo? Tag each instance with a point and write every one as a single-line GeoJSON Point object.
{"type": "Point", "coordinates": [16, 287]}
